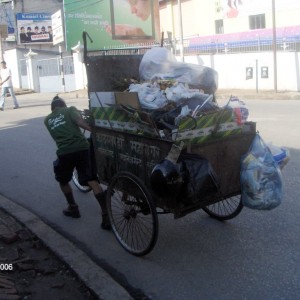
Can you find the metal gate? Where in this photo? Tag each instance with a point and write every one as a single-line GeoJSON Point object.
{"type": "Point", "coordinates": [50, 79]}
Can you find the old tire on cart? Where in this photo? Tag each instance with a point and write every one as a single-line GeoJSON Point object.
{"type": "Point", "coordinates": [82, 188]}
{"type": "Point", "coordinates": [132, 214]}
{"type": "Point", "coordinates": [226, 209]}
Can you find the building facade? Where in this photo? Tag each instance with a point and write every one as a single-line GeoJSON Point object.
{"type": "Point", "coordinates": [237, 30]}
{"type": "Point", "coordinates": [207, 18]}
{"type": "Point", "coordinates": [202, 20]}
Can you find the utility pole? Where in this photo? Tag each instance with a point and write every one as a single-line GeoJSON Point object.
{"type": "Point", "coordinates": [274, 46]}
{"type": "Point", "coordinates": [1, 51]}
{"type": "Point", "coordinates": [61, 67]}
{"type": "Point", "coordinates": [3, 35]}
{"type": "Point", "coordinates": [180, 30]}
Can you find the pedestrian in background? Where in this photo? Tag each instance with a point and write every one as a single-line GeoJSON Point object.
{"type": "Point", "coordinates": [6, 86]}
{"type": "Point", "coordinates": [64, 125]}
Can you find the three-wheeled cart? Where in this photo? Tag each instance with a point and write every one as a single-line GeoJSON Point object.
{"type": "Point", "coordinates": [127, 150]}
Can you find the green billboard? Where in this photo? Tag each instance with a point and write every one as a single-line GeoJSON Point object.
{"type": "Point", "coordinates": [111, 23]}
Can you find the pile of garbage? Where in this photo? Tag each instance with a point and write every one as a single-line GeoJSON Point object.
{"type": "Point", "coordinates": [172, 90]}
{"type": "Point", "coordinates": [166, 80]}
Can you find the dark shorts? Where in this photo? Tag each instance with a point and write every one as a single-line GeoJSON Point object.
{"type": "Point", "coordinates": [81, 160]}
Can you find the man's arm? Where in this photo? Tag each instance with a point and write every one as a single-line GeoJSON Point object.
{"type": "Point", "coordinates": [4, 80]}
{"type": "Point", "coordinates": [83, 124]}
{"type": "Point", "coordinates": [77, 119]}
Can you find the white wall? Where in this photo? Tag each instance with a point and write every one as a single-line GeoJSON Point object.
{"type": "Point", "coordinates": [232, 69]}
{"type": "Point", "coordinates": [79, 70]}
{"type": "Point", "coordinates": [10, 57]}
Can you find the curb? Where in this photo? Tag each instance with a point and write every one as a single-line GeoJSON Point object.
{"type": "Point", "coordinates": [24, 92]}
{"type": "Point", "coordinates": [260, 95]}
{"type": "Point", "coordinates": [94, 277]}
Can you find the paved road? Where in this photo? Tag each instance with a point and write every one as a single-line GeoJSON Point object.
{"type": "Point", "coordinates": [254, 256]}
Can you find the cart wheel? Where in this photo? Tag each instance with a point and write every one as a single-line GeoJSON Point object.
{"type": "Point", "coordinates": [82, 188]}
{"type": "Point", "coordinates": [132, 214]}
{"type": "Point", "coordinates": [226, 209]}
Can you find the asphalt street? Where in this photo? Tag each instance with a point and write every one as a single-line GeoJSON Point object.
{"type": "Point", "coordinates": [254, 256]}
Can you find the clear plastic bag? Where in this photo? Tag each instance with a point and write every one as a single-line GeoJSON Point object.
{"type": "Point", "coordinates": [280, 154]}
{"type": "Point", "coordinates": [261, 181]}
{"type": "Point", "coordinates": [160, 63]}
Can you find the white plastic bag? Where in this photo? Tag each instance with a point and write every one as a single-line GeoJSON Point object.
{"type": "Point", "coordinates": [261, 181]}
{"type": "Point", "coordinates": [150, 95]}
{"type": "Point", "coordinates": [180, 91]}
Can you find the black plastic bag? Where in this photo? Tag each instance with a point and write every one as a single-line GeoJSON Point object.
{"type": "Point", "coordinates": [166, 119]}
{"type": "Point", "coordinates": [199, 178]}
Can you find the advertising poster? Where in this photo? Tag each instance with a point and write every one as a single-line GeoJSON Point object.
{"type": "Point", "coordinates": [111, 22]}
{"type": "Point", "coordinates": [34, 28]}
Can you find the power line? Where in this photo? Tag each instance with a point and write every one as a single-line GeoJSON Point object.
{"type": "Point", "coordinates": [37, 8]}
{"type": "Point", "coordinates": [84, 6]}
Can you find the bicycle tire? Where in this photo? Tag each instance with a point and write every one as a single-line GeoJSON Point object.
{"type": "Point", "coordinates": [225, 210]}
{"type": "Point", "coordinates": [132, 214]}
{"type": "Point", "coordinates": [81, 188]}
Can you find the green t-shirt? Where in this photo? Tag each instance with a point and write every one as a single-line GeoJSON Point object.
{"type": "Point", "coordinates": [61, 124]}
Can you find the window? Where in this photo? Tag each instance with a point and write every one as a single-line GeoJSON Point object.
{"type": "Point", "coordinates": [23, 67]}
{"type": "Point", "coordinates": [257, 21]}
{"type": "Point", "coordinates": [219, 26]}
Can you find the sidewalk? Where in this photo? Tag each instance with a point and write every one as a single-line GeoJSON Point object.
{"type": "Point", "coordinates": [28, 267]}
{"type": "Point", "coordinates": [35, 258]}
{"type": "Point", "coordinates": [256, 95]}
{"type": "Point", "coordinates": [246, 94]}
{"type": "Point", "coordinates": [226, 93]}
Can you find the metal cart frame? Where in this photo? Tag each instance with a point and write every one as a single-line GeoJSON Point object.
{"type": "Point", "coordinates": [125, 161]}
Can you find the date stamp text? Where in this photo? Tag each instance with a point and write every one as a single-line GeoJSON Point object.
{"type": "Point", "coordinates": [6, 267]}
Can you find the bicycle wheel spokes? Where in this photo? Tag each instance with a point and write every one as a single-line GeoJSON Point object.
{"type": "Point", "coordinates": [226, 209]}
{"type": "Point", "coordinates": [133, 215]}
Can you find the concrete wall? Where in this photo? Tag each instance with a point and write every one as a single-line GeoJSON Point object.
{"type": "Point", "coordinates": [232, 69]}
{"type": "Point", "coordinates": [11, 58]}
{"type": "Point", "coordinates": [79, 70]}
{"type": "Point", "coordinates": [16, 57]}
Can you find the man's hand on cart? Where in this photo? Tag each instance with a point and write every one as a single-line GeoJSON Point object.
{"type": "Point", "coordinates": [84, 120]}
{"type": "Point", "coordinates": [83, 124]}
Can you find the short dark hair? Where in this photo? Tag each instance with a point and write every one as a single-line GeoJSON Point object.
{"type": "Point", "coordinates": [57, 102]}
{"type": "Point", "coordinates": [3, 62]}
